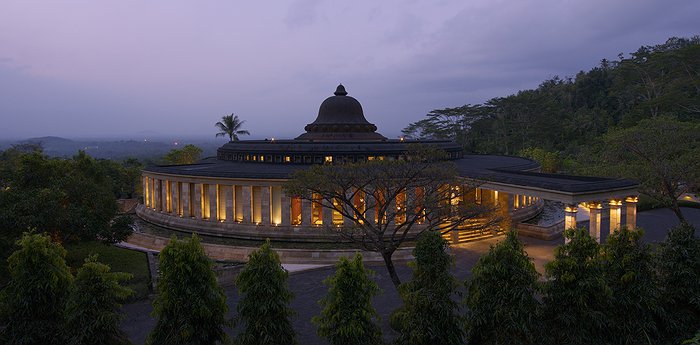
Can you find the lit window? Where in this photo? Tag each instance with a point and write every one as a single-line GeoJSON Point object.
{"type": "Point", "coordinates": [262, 158]}
{"type": "Point", "coordinates": [370, 158]}
{"type": "Point", "coordinates": [328, 159]}
{"type": "Point", "coordinates": [287, 159]}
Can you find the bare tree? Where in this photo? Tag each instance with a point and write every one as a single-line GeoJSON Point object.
{"type": "Point", "coordinates": [386, 202]}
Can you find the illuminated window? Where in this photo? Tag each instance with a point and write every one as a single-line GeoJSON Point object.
{"type": "Point", "coordinates": [328, 159]}
{"type": "Point", "coordinates": [337, 216]}
{"type": "Point", "coordinates": [370, 158]}
{"type": "Point", "coordinates": [295, 204]}
{"type": "Point", "coordinates": [287, 159]}
{"type": "Point", "coordinates": [206, 211]}
{"type": "Point", "coordinates": [358, 202]}
{"type": "Point", "coordinates": [168, 197]}
{"type": "Point", "coordinates": [316, 210]}
{"type": "Point", "coordinates": [419, 210]}
{"type": "Point", "coordinates": [400, 208]}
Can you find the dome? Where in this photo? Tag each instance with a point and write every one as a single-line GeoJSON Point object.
{"type": "Point", "coordinates": [340, 117]}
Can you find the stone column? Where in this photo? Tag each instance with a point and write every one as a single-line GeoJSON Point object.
{"type": "Point", "coordinates": [229, 203]}
{"type": "Point", "coordinates": [186, 199]}
{"type": "Point", "coordinates": [286, 205]}
{"type": "Point", "coordinates": [370, 207]}
{"type": "Point", "coordinates": [157, 194]}
{"type": "Point", "coordinates": [410, 203]}
{"type": "Point", "coordinates": [197, 201]}
{"type": "Point", "coordinates": [595, 209]}
{"type": "Point", "coordinates": [327, 213]}
{"type": "Point", "coordinates": [347, 222]}
{"type": "Point", "coordinates": [615, 215]}
{"type": "Point", "coordinates": [631, 214]}
{"type": "Point", "coordinates": [305, 212]}
{"type": "Point", "coordinates": [265, 205]}
{"type": "Point", "coordinates": [246, 204]}
{"type": "Point", "coordinates": [174, 201]}
{"type": "Point", "coordinates": [213, 205]}
{"type": "Point", "coordinates": [570, 211]}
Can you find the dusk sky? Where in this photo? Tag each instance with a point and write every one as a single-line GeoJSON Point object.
{"type": "Point", "coordinates": [135, 69]}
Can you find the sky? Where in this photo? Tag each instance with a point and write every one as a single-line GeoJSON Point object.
{"type": "Point", "coordinates": [138, 69]}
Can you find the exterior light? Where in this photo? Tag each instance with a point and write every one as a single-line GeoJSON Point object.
{"type": "Point", "coordinates": [401, 138]}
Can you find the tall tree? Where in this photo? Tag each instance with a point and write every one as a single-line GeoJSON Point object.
{"type": "Point", "coordinates": [94, 303]}
{"type": "Point", "coordinates": [33, 302]}
{"type": "Point", "coordinates": [663, 154]}
{"type": "Point", "coordinates": [190, 306]}
{"type": "Point", "coordinates": [679, 273]}
{"type": "Point", "coordinates": [630, 273]}
{"type": "Point", "coordinates": [263, 310]}
{"type": "Point", "coordinates": [575, 294]}
{"type": "Point", "coordinates": [373, 197]}
{"type": "Point", "coordinates": [189, 154]}
{"type": "Point", "coordinates": [501, 296]}
{"type": "Point", "coordinates": [231, 125]}
{"type": "Point", "coordinates": [430, 313]}
{"type": "Point", "coordinates": [348, 316]}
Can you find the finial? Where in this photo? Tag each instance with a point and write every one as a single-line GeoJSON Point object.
{"type": "Point", "coordinates": [340, 91]}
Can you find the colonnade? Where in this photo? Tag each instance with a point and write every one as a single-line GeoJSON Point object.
{"type": "Point", "coordinates": [595, 209]}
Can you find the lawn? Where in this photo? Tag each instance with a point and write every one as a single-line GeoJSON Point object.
{"type": "Point", "coordinates": [119, 259]}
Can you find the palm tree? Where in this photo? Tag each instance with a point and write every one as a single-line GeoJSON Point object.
{"type": "Point", "coordinates": [230, 125]}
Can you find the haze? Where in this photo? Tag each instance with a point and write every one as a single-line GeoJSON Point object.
{"type": "Point", "coordinates": [139, 68]}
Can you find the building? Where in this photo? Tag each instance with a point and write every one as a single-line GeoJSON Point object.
{"type": "Point", "coordinates": [239, 192]}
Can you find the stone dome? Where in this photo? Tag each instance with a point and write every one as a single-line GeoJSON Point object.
{"type": "Point", "coordinates": [340, 117]}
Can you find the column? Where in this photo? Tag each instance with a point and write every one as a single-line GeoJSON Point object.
{"type": "Point", "coordinates": [347, 221]}
{"type": "Point", "coordinates": [174, 201]}
{"type": "Point", "coordinates": [213, 207]}
{"type": "Point", "coordinates": [246, 204]}
{"type": "Point", "coordinates": [370, 207]}
{"type": "Point", "coordinates": [305, 212]}
{"type": "Point", "coordinates": [286, 207]}
{"type": "Point", "coordinates": [197, 201]}
{"type": "Point", "coordinates": [164, 195]}
{"type": "Point", "coordinates": [631, 208]}
{"type": "Point", "coordinates": [595, 209]}
{"type": "Point", "coordinates": [570, 211]}
{"type": "Point", "coordinates": [265, 205]}
{"type": "Point", "coordinates": [186, 199]}
{"type": "Point", "coordinates": [145, 190]}
{"type": "Point", "coordinates": [411, 203]}
{"type": "Point", "coordinates": [615, 215]}
{"type": "Point", "coordinates": [157, 194]}
{"type": "Point", "coordinates": [229, 203]}
{"type": "Point", "coordinates": [327, 213]}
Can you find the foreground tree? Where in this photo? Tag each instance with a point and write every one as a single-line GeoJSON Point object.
{"type": "Point", "coordinates": [663, 154]}
{"type": "Point", "coordinates": [33, 302]}
{"type": "Point", "coordinates": [501, 303]}
{"type": "Point", "coordinates": [231, 126]}
{"type": "Point", "coordinates": [430, 313]}
{"type": "Point", "coordinates": [263, 310]}
{"type": "Point", "coordinates": [679, 273]}
{"type": "Point", "coordinates": [189, 154]}
{"type": "Point", "coordinates": [576, 295]}
{"type": "Point", "coordinates": [348, 316]}
{"type": "Point", "coordinates": [389, 201]}
{"type": "Point", "coordinates": [190, 306]}
{"type": "Point", "coordinates": [630, 273]}
{"type": "Point", "coordinates": [93, 308]}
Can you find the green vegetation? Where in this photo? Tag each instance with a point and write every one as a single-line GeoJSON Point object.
{"type": "Point", "coordinates": [119, 259]}
{"type": "Point", "coordinates": [33, 303]}
{"type": "Point", "coordinates": [231, 126]}
{"type": "Point", "coordinates": [189, 154]}
{"type": "Point", "coordinates": [348, 316]}
{"type": "Point", "coordinates": [263, 310]}
{"type": "Point", "coordinates": [430, 314]}
{"type": "Point", "coordinates": [93, 305]}
{"type": "Point", "coordinates": [501, 303]}
{"type": "Point", "coordinates": [190, 305]}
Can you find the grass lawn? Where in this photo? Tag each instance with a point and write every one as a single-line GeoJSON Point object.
{"type": "Point", "coordinates": [119, 259]}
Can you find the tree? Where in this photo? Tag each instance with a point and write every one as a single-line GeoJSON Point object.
{"type": "Point", "coordinates": [263, 309]}
{"type": "Point", "coordinates": [575, 294]}
{"type": "Point", "coordinates": [189, 154]}
{"type": "Point", "coordinates": [430, 314]}
{"type": "Point", "coordinates": [348, 316]}
{"type": "Point", "coordinates": [679, 273]}
{"type": "Point", "coordinates": [33, 302]}
{"type": "Point", "coordinates": [93, 308]}
{"type": "Point", "coordinates": [630, 273]}
{"type": "Point", "coordinates": [501, 303]}
{"type": "Point", "coordinates": [190, 306]}
{"type": "Point", "coordinates": [374, 196]}
{"type": "Point", "coordinates": [663, 154]}
{"type": "Point", "coordinates": [230, 125]}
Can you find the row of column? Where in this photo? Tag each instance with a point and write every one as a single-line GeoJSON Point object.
{"type": "Point", "coordinates": [596, 210]}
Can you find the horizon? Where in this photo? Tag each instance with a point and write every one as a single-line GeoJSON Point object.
{"type": "Point", "coordinates": [171, 69]}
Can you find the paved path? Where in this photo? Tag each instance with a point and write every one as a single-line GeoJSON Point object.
{"type": "Point", "coordinates": [308, 288]}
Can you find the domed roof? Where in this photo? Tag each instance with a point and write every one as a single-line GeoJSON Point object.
{"type": "Point", "coordinates": [340, 117]}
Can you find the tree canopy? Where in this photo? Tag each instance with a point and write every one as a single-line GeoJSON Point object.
{"type": "Point", "coordinates": [231, 126]}
{"type": "Point", "coordinates": [189, 154]}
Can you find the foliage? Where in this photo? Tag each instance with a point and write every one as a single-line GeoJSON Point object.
{"type": "Point", "coordinates": [501, 303]}
{"type": "Point", "coordinates": [348, 316]}
{"type": "Point", "coordinates": [661, 153]}
{"type": "Point", "coordinates": [550, 161]}
{"type": "Point", "coordinates": [93, 307]}
{"type": "Point", "coordinates": [679, 273]}
{"type": "Point", "coordinates": [189, 154]}
{"type": "Point", "coordinates": [34, 300]}
{"type": "Point", "coordinates": [430, 313]}
{"type": "Point", "coordinates": [576, 295]}
{"type": "Point", "coordinates": [365, 194]}
{"type": "Point", "coordinates": [190, 306]}
{"type": "Point", "coordinates": [653, 81]}
{"type": "Point", "coordinates": [630, 273]}
{"type": "Point", "coordinates": [263, 309]}
{"type": "Point", "coordinates": [230, 125]}
{"type": "Point", "coordinates": [125, 176]}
